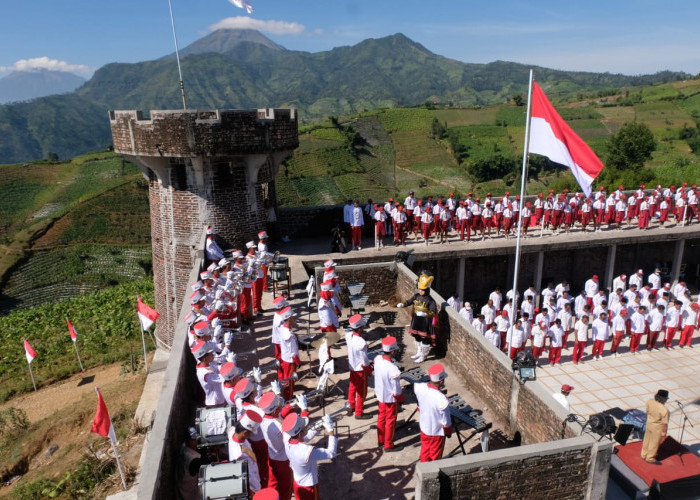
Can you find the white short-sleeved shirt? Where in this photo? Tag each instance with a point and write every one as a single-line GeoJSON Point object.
{"type": "Point", "coordinates": [357, 352]}
{"type": "Point", "coordinates": [434, 410]}
{"type": "Point", "coordinates": [303, 459]}
{"type": "Point", "coordinates": [387, 381]}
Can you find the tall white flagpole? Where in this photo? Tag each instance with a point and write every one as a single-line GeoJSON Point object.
{"type": "Point", "coordinates": [75, 345]}
{"type": "Point", "coordinates": [177, 56]}
{"type": "Point", "coordinates": [523, 178]}
{"type": "Point", "coordinates": [31, 374]}
{"type": "Point", "coordinates": [143, 341]}
{"type": "Point", "coordinates": [114, 447]}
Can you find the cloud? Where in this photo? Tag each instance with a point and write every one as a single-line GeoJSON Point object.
{"type": "Point", "coordinates": [272, 27]}
{"type": "Point", "coordinates": [44, 63]}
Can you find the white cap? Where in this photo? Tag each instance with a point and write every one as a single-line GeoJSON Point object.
{"type": "Point", "coordinates": [250, 420]}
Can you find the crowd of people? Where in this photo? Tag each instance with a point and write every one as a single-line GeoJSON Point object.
{"type": "Point", "coordinates": [473, 217]}
{"type": "Point", "coordinates": [639, 307]}
{"type": "Point", "coordinates": [271, 430]}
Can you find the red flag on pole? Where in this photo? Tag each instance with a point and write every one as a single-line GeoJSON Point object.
{"type": "Point", "coordinates": [102, 424]}
{"type": "Point", "coordinates": [552, 137]}
{"type": "Point", "coordinates": [147, 315]}
{"type": "Point", "coordinates": [71, 330]}
{"type": "Point", "coordinates": [31, 353]}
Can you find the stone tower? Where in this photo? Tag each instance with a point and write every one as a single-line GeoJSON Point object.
{"type": "Point", "coordinates": [203, 167]}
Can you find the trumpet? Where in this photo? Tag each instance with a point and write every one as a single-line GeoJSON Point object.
{"type": "Point", "coordinates": [283, 382]}
{"type": "Point", "coordinates": [272, 365]}
{"type": "Point", "coordinates": [335, 416]}
{"type": "Point", "coordinates": [310, 396]}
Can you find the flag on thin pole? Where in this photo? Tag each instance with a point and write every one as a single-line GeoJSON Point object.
{"type": "Point", "coordinates": [102, 425]}
{"type": "Point", "coordinates": [552, 137]}
{"type": "Point", "coordinates": [147, 316]}
{"type": "Point", "coordinates": [31, 354]}
{"type": "Point", "coordinates": [74, 338]}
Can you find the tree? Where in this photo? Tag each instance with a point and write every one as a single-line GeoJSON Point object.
{"type": "Point", "coordinates": [518, 100]}
{"type": "Point", "coordinates": [630, 147]}
{"type": "Point", "coordinates": [437, 128]}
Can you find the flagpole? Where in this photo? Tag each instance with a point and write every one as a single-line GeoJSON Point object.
{"type": "Point", "coordinates": [114, 447]}
{"type": "Point", "coordinates": [523, 177]}
{"type": "Point", "coordinates": [177, 56]}
{"type": "Point", "coordinates": [143, 341]}
{"type": "Point", "coordinates": [31, 374]}
{"type": "Point", "coordinates": [75, 345]}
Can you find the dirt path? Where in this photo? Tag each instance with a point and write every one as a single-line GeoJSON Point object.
{"type": "Point", "coordinates": [41, 404]}
{"type": "Point", "coordinates": [437, 181]}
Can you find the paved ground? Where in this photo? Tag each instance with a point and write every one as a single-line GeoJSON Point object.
{"type": "Point", "coordinates": [626, 382]}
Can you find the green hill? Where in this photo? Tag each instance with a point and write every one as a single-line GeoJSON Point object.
{"type": "Point", "coordinates": [393, 71]}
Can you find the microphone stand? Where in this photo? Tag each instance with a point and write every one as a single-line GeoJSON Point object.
{"type": "Point", "coordinates": [685, 419]}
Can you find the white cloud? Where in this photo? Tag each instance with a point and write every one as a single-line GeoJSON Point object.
{"type": "Point", "coordinates": [272, 27]}
{"type": "Point", "coordinates": [44, 63]}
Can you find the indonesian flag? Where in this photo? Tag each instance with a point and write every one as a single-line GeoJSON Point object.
{"type": "Point", "coordinates": [31, 353]}
{"type": "Point", "coordinates": [552, 137]}
{"type": "Point", "coordinates": [71, 330]}
{"type": "Point", "coordinates": [147, 315]}
{"type": "Point", "coordinates": [102, 424]}
{"type": "Point", "coordinates": [243, 4]}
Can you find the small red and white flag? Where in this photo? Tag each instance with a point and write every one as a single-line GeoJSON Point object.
{"type": "Point", "coordinates": [102, 424]}
{"type": "Point", "coordinates": [147, 315]}
{"type": "Point", "coordinates": [31, 353]}
{"type": "Point", "coordinates": [71, 330]}
{"type": "Point", "coordinates": [552, 137]}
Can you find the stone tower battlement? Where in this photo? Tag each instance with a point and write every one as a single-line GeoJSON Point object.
{"type": "Point", "coordinates": [203, 167]}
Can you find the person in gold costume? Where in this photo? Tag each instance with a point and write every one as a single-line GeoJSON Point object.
{"type": "Point", "coordinates": [657, 426]}
{"type": "Point", "coordinates": [424, 319]}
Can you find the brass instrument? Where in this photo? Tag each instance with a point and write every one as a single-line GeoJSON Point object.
{"type": "Point", "coordinates": [283, 382]}
{"type": "Point", "coordinates": [314, 395]}
{"type": "Point", "coordinates": [335, 417]}
{"type": "Point", "coordinates": [272, 365]}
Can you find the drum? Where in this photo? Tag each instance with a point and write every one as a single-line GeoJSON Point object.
{"type": "Point", "coordinates": [224, 481]}
{"type": "Point", "coordinates": [212, 425]}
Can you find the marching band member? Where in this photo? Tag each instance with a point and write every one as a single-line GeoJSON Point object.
{"type": "Point", "coordinates": [239, 448]}
{"type": "Point", "coordinates": [279, 303]}
{"type": "Point", "coordinates": [214, 252]}
{"type": "Point", "coordinates": [262, 250]}
{"type": "Point", "coordinates": [303, 458]}
{"type": "Point", "coordinates": [424, 322]}
{"type": "Point", "coordinates": [435, 420]}
{"type": "Point", "coordinates": [208, 373]}
{"type": "Point", "coordinates": [387, 388]}
{"type": "Point", "coordinates": [360, 369]}
{"type": "Point", "coordinates": [247, 393]}
{"type": "Point", "coordinates": [289, 350]}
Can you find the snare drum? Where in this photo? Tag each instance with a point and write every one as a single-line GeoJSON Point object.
{"type": "Point", "coordinates": [224, 481]}
{"type": "Point", "coordinates": [212, 425]}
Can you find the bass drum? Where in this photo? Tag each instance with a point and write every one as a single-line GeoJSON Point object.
{"type": "Point", "coordinates": [224, 481]}
{"type": "Point", "coordinates": [212, 425]}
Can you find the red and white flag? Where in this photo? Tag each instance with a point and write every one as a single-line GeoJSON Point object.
{"type": "Point", "coordinates": [243, 4]}
{"type": "Point", "coordinates": [71, 330]}
{"type": "Point", "coordinates": [102, 424]}
{"type": "Point", "coordinates": [31, 353]}
{"type": "Point", "coordinates": [552, 137]}
{"type": "Point", "coordinates": [147, 315]}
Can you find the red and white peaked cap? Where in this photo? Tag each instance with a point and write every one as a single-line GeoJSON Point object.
{"type": "Point", "coordinates": [201, 348]}
{"type": "Point", "coordinates": [243, 388]}
{"type": "Point", "coordinates": [280, 302]}
{"type": "Point", "coordinates": [269, 402]}
{"type": "Point", "coordinates": [293, 424]}
{"type": "Point", "coordinates": [210, 230]}
{"type": "Point", "coordinates": [202, 328]}
{"type": "Point", "coordinates": [329, 263]}
{"type": "Point", "coordinates": [230, 371]}
{"type": "Point", "coordinates": [287, 313]}
{"type": "Point", "coordinates": [389, 344]}
{"type": "Point", "coordinates": [327, 286]}
{"type": "Point", "coordinates": [251, 244]}
{"type": "Point", "coordinates": [236, 254]}
{"type": "Point", "coordinates": [356, 321]}
{"type": "Point", "coordinates": [262, 235]}
{"type": "Point", "coordinates": [437, 373]}
{"type": "Point", "coordinates": [196, 297]}
{"type": "Point", "coordinates": [250, 420]}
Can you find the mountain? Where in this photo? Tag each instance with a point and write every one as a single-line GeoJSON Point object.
{"type": "Point", "coordinates": [225, 40]}
{"type": "Point", "coordinates": [385, 72]}
{"type": "Point", "coordinates": [25, 85]}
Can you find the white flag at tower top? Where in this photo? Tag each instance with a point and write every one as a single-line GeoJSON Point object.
{"type": "Point", "coordinates": [243, 4]}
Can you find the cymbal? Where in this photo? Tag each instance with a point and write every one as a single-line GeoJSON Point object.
{"type": "Point", "coordinates": [331, 337]}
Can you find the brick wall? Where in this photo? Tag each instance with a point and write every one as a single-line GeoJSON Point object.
{"type": "Point", "coordinates": [569, 469]}
{"type": "Point", "coordinates": [379, 280]}
{"type": "Point", "coordinates": [309, 221]}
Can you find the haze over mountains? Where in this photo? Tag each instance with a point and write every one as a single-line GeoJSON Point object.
{"type": "Point", "coordinates": [244, 69]}
{"type": "Point", "coordinates": [24, 85]}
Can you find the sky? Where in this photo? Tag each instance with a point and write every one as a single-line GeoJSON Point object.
{"type": "Point", "coordinates": [617, 36]}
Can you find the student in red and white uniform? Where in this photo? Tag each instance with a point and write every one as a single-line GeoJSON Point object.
{"type": "Point", "coordinates": [380, 218]}
{"type": "Point", "coordinates": [619, 328]}
{"type": "Point", "coordinates": [515, 339]}
{"type": "Point", "coordinates": [556, 338]}
{"type": "Point", "coordinates": [657, 317]}
{"type": "Point", "coordinates": [538, 205]}
{"type": "Point", "coordinates": [400, 225]}
{"type": "Point", "coordinates": [279, 303]}
{"type": "Point", "coordinates": [538, 336]}
{"type": "Point", "coordinates": [417, 217]}
{"type": "Point", "coordinates": [410, 203]}
{"type": "Point", "coordinates": [239, 446]}
{"type": "Point", "coordinates": [600, 335]}
{"type": "Point", "coordinates": [502, 323]}
{"type": "Point", "coordinates": [580, 339]}
{"type": "Point", "coordinates": [567, 321]}
{"type": "Point", "coordinates": [247, 393]}
{"type": "Point", "coordinates": [445, 219]}
{"type": "Point", "coordinates": [289, 351]}
{"type": "Point", "coordinates": [426, 221]}
{"type": "Point", "coordinates": [435, 420]}
{"type": "Point", "coordinates": [357, 220]}
{"type": "Point", "coordinates": [387, 388]}
{"type": "Point", "coordinates": [498, 214]}
{"type": "Point", "coordinates": [638, 327]}
{"type": "Point", "coordinates": [477, 223]}
{"type": "Point", "coordinates": [303, 458]}
{"type": "Point", "coordinates": [280, 473]}
{"type": "Point", "coordinates": [689, 322]}
{"type": "Point", "coordinates": [208, 373]}
{"type": "Point", "coordinates": [360, 368]}
{"type": "Point", "coordinates": [487, 218]}
{"type": "Point", "coordinates": [327, 314]}
{"type": "Point", "coordinates": [462, 215]}
{"type": "Point", "coordinates": [507, 220]}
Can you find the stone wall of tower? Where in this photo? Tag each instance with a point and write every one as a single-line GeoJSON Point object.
{"type": "Point", "coordinates": [212, 167]}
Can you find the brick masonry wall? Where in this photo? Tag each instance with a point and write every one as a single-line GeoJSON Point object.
{"type": "Point", "coordinates": [561, 470]}
{"type": "Point", "coordinates": [379, 280]}
{"type": "Point", "coordinates": [309, 221]}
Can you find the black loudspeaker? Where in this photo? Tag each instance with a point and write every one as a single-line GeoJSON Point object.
{"type": "Point", "coordinates": [623, 433]}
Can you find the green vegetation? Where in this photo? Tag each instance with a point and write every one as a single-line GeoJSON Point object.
{"type": "Point", "coordinates": [107, 325]}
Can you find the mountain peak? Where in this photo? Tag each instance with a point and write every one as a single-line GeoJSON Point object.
{"type": "Point", "coordinates": [222, 41]}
